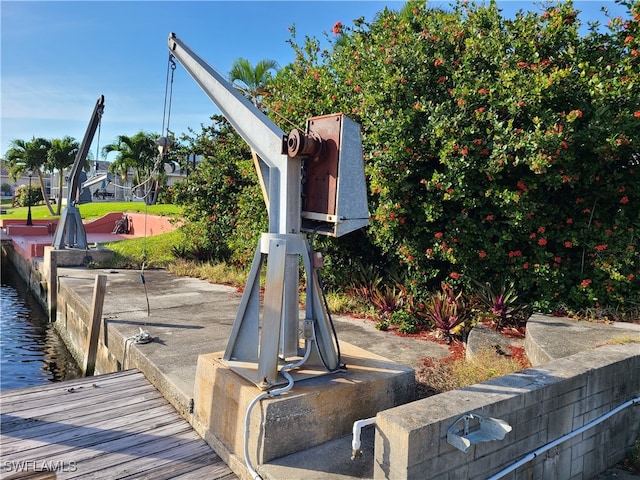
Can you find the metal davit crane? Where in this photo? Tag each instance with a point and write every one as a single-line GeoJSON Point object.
{"type": "Point", "coordinates": [70, 224]}
{"type": "Point", "coordinates": [332, 201]}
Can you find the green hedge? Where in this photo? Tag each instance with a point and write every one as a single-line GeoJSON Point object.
{"type": "Point", "coordinates": [495, 149]}
{"type": "Point", "coordinates": [503, 151]}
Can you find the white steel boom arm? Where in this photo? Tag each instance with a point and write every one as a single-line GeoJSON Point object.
{"type": "Point", "coordinates": [96, 179]}
{"type": "Point", "coordinates": [70, 223]}
{"type": "Point", "coordinates": [263, 136]}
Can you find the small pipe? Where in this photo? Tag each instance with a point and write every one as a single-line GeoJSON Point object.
{"type": "Point", "coordinates": [357, 429]}
{"type": "Point", "coordinates": [569, 435]}
{"type": "Point", "coordinates": [252, 472]}
{"type": "Point", "coordinates": [272, 393]}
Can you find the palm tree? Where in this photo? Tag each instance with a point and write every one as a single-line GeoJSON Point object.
{"type": "Point", "coordinates": [252, 84]}
{"type": "Point", "coordinates": [252, 79]}
{"type": "Point", "coordinates": [24, 156]}
{"type": "Point", "coordinates": [61, 155]}
{"type": "Point", "coordinates": [137, 153]}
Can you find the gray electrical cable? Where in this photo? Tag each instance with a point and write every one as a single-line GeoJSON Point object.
{"type": "Point", "coordinates": [272, 393]}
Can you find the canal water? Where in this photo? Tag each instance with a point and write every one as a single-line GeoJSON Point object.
{"type": "Point", "coordinates": [31, 352]}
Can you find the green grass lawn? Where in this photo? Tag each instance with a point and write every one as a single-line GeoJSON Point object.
{"type": "Point", "coordinates": [157, 250]}
{"type": "Point", "coordinates": [92, 210]}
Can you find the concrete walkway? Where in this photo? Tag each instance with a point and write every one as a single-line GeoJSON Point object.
{"type": "Point", "coordinates": [188, 317]}
{"type": "Point", "coordinates": [549, 338]}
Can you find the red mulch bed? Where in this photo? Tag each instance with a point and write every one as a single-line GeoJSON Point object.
{"type": "Point", "coordinates": [457, 347]}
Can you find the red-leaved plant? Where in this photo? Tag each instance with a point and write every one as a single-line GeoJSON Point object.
{"type": "Point", "coordinates": [446, 309]}
{"type": "Point", "coordinates": [502, 303]}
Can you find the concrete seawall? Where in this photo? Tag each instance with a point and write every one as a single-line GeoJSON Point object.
{"type": "Point", "coordinates": [541, 405]}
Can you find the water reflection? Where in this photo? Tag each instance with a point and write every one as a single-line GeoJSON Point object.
{"type": "Point", "coordinates": [31, 352]}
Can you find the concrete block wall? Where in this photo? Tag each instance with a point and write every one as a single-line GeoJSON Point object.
{"type": "Point", "coordinates": [29, 272]}
{"type": "Point", "coordinates": [72, 322]}
{"type": "Point", "coordinates": [541, 405]}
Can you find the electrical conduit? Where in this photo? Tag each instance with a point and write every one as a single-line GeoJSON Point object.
{"type": "Point", "coordinates": [558, 441]}
{"type": "Point", "coordinates": [272, 393]}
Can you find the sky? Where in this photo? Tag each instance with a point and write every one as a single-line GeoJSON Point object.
{"type": "Point", "coordinates": [57, 57]}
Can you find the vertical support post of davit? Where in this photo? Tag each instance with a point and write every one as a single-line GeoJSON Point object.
{"type": "Point", "coordinates": [274, 297]}
{"type": "Point", "coordinates": [99, 289]}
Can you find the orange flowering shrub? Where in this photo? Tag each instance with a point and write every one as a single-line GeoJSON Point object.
{"type": "Point", "coordinates": [494, 148]}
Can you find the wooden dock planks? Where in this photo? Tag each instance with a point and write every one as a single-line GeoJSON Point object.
{"type": "Point", "coordinates": [107, 427]}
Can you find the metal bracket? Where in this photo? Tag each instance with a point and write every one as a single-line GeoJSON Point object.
{"type": "Point", "coordinates": [472, 428]}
